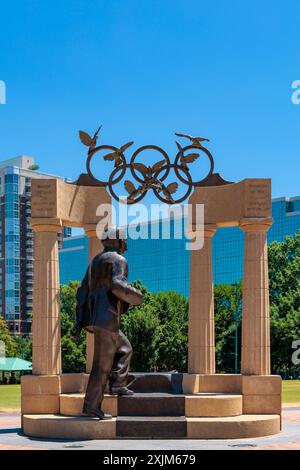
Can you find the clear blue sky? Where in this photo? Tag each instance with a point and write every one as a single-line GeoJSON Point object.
{"type": "Point", "coordinates": [146, 68]}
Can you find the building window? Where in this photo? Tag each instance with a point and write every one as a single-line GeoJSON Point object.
{"type": "Point", "coordinates": [289, 206]}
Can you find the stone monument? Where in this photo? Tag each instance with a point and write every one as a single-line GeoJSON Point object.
{"type": "Point", "coordinates": [198, 404]}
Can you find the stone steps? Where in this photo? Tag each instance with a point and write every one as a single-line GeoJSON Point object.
{"type": "Point", "coordinates": [151, 427]}
{"type": "Point", "coordinates": [159, 405]}
{"type": "Point", "coordinates": [145, 427]}
{"type": "Point", "coordinates": [157, 382]}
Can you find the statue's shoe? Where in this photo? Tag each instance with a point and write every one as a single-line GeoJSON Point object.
{"type": "Point", "coordinates": [121, 391]}
{"type": "Point", "coordinates": [96, 412]}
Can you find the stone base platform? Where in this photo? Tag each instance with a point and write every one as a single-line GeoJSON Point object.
{"type": "Point", "coordinates": [165, 406]}
{"type": "Point", "coordinates": [159, 404]}
{"type": "Point", "coordinates": [141, 427]}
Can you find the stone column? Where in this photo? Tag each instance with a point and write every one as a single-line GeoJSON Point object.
{"type": "Point", "coordinates": [256, 316]}
{"type": "Point", "coordinates": [201, 349]}
{"type": "Point", "coordinates": [46, 349]}
{"type": "Point", "coordinates": [95, 247]}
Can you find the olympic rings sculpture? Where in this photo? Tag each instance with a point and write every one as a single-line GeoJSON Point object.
{"type": "Point", "coordinates": [148, 177]}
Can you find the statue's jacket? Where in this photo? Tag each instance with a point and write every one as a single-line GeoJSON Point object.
{"type": "Point", "coordinates": [105, 293]}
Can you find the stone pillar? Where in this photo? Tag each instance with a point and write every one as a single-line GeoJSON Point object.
{"type": "Point", "coordinates": [201, 349]}
{"type": "Point", "coordinates": [46, 349]}
{"type": "Point", "coordinates": [95, 247]}
{"type": "Point", "coordinates": [256, 316]}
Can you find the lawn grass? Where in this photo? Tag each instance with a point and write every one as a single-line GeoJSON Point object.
{"type": "Point", "coordinates": [291, 391]}
{"type": "Point", "coordinates": [10, 395]}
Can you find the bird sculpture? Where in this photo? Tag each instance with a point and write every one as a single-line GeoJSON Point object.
{"type": "Point", "coordinates": [116, 156]}
{"type": "Point", "coordinates": [195, 140]}
{"type": "Point", "coordinates": [185, 159]}
{"type": "Point", "coordinates": [150, 182]}
{"type": "Point", "coordinates": [89, 141]}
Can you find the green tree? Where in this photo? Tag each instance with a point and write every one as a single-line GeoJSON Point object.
{"type": "Point", "coordinates": [157, 330]}
{"type": "Point", "coordinates": [68, 306]}
{"type": "Point", "coordinates": [284, 275]}
{"type": "Point", "coordinates": [172, 310]}
{"type": "Point", "coordinates": [228, 299]}
{"type": "Point", "coordinates": [24, 347]}
{"type": "Point", "coordinates": [73, 352]}
{"type": "Point", "coordinates": [10, 343]}
{"type": "Point", "coordinates": [142, 327]}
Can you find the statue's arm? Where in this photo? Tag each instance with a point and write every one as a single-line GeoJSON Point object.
{"type": "Point", "coordinates": [120, 286]}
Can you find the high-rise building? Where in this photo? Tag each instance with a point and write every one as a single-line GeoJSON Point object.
{"type": "Point", "coordinates": [17, 242]}
{"type": "Point", "coordinates": [163, 264]}
{"type": "Point", "coordinates": [228, 243]}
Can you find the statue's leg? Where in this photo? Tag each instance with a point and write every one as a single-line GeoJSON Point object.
{"type": "Point", "coordinates": [105, 345]}
{"type": "Point", "coordinates": [121, 363]}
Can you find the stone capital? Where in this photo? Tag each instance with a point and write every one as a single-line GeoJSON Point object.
{"type": "Point", "coordinates": [207, 230]}
{"type": "Point", "coordinates": [90, 230]}
{"type": "Point", "coordinates": [46, 224]}
{"type": "Point", "coordinates": [255, 224]}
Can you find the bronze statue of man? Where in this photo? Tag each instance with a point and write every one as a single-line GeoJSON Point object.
{"type": "Point", "coordinates": [102, 297]}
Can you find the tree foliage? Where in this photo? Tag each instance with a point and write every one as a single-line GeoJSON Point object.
{"type": "Point", "coordinates": [157, 330]}
{"type": "Point", "coordinates": [284, 275]}
{"type": "Point", "coordinates": [73, 352]}
{"type": "Point", "coordinates": [142, 327]}
{"type": "Point", "coordinates": [228, 302]}
{"type": "Point", "coordinates": [24, 347]}
{"type": "Point", "coordinates": [172, 310]}
{"type": "Point", "coordinates": [10, 344]}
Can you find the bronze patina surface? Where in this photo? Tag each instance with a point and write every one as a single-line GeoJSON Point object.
{"type": "Point", "coordinates": [150, 177]}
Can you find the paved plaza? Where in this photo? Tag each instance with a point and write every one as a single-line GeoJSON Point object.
{"type": "Point", "coordinates": [11, 438]}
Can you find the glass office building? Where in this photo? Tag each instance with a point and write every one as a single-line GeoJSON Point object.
{"type": "Point", "coordinates": [73, 259]}
{"type": "Point", "coordinates": [163, 264]}
{"type": "Point", "coordinates": [17, 242]}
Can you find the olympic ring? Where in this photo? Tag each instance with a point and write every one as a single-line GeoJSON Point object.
{"type": "Point", "coordinates": [148, 177]}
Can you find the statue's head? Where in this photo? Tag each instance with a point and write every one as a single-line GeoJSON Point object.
{"type": "Point", "coordinates": [114, 237]}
